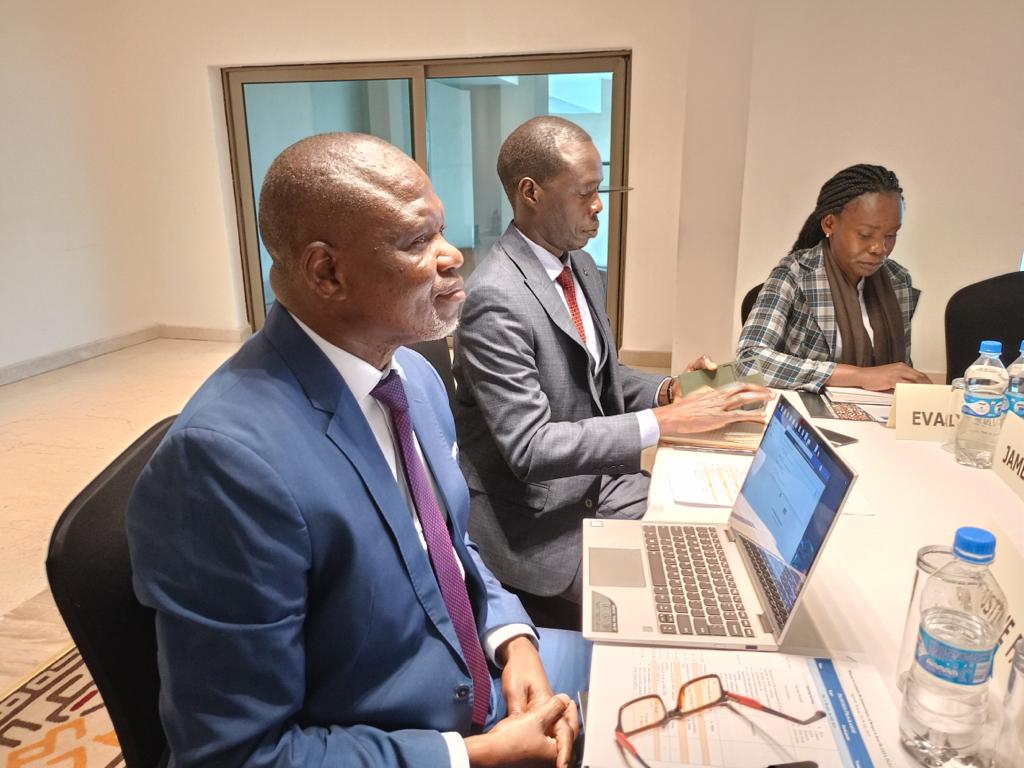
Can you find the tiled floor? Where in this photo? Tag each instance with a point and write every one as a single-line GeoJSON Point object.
{"type": "Point", "coordinates": [57, 431]}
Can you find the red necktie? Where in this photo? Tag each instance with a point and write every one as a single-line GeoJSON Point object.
{"type": "Point", "coordinates": [564, 279]}
{"type": "Point", "coordinates": [391, 393]}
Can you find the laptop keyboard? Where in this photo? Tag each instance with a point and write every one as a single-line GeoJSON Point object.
{"type": "Point", "coordinates": [768, 581]}
{"type": "Point", "coordinates": [694, 589]}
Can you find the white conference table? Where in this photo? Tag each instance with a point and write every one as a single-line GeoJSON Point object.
{"type": "Point", "coordinates": [908, 495]}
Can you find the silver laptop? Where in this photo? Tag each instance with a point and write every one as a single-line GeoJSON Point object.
{"type": "Point", "coordinates": [736, 585]}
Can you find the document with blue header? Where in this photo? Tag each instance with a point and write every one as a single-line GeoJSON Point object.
{"type": "Point", "coordinates": [859, 729]}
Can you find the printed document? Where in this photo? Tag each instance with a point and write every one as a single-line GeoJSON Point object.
{"type": "Point", "coordinates": [707, 479]}
{"type": "Point", "coordinates": [859, 731]}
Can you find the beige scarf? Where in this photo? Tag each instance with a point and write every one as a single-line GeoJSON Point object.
{"type": "Point", "coordinates": [883, 313]}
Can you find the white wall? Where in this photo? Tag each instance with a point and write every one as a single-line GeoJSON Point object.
{"type": "Point", "coordinates": [121, 214]}
{"type": "Point", "coordinates": [72, 248]}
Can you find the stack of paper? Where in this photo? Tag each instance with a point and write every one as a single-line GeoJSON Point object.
{"type": "Point", "coordinates": [740, 436]}
{"type": "Point", "coordinates": [875, 404]}
{"type": "Point", "coordinates": [858, 396]}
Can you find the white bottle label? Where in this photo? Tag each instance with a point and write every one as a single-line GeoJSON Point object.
{"type": "Point", "coordinates": [1015, 403]}
{"type": "Point", "coordinates": [952, 664]}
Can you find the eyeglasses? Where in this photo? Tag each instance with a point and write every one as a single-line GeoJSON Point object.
{"type": "Point", "coordinates": [699, 694]}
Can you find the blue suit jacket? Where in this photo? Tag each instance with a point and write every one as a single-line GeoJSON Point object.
{"type": "Point", "coordinates": [299, 622]}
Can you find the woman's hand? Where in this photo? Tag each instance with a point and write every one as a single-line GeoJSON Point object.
{"type": "Point", "coordinates": [876, 377]}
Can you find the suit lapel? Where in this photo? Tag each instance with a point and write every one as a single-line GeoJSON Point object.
{"type": "Point", "coordinates": [539, 283]}
{"type": "Point", "coordinates": [547, 294]}
{"type": "Point", "coordinates": [349, 431]}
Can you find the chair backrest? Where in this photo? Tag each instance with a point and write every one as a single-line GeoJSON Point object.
{"type": "Point", "coordinates": [90, 575]}
{"type": "Point", "coordinates": [748, 302]}
{"type": "Point", "coordinates": [439, 356]}
{"type": "Point", "coordinates": [990, 309]}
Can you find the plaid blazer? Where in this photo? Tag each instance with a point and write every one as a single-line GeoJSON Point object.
{"type": "Point", "coordinates": [792, 331]}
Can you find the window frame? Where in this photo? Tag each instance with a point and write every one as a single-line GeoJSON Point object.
{"type": "Point", "coordinates": [233, 80]}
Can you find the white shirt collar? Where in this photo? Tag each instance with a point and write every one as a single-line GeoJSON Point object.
{"type": "Point", "coordinates": [360, 376]}
{"type": "Point", "coordinates": [553, 265]}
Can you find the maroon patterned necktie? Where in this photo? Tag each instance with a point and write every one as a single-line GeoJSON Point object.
{"type": "Point", "coordinates": [391, 393]}
{"type": "Point", "coordinates": [564, 279]}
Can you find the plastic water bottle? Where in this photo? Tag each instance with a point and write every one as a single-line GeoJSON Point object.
{"type": "Point", "coordinates": [984, 407]}
{"type": "Point", "coordinates": [1010, 746]}
{"type": "Point", "coordinates": [1015, 385]}
{"type": "Point", "coordinates": [942, 722]}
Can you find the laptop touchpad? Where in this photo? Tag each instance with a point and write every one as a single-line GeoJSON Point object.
{"type": "Point", "coordinates": [616, 568]}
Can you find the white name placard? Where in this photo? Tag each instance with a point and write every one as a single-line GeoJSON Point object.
{"type": "Point", "coordinates": [924, 412]}
{"type": "Point", "coordinates": [1008, 461]}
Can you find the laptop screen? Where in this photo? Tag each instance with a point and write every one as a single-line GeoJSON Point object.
{"type": "Point", "coordinates": [788, 502]}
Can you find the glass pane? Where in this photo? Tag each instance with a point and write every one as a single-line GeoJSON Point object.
{"type": "Point", "coordinates": [467, 120]}
{"type": "Point", "coordinates": [641, 714]}
{"type": "Point", "coordinates": [279, 114]}
{"type": "Point", "coordinates": [699, 693]}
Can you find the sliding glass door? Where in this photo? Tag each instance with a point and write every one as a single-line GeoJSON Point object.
{"type": "Point", "coordinates": [451, 116]}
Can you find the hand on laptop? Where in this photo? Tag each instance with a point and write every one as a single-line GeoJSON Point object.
{"type": "Point", "coordinates": [707, 409]}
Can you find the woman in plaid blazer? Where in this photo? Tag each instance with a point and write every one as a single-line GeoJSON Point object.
{"type": "Point", "coordinates": [837, 310]}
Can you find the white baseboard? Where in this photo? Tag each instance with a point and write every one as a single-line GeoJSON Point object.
{"type": "Point", "coordinates": [203, 334]}
{"type": "Point", "coordinates": [61, 358]}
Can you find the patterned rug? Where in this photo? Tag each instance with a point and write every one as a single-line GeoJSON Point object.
{"type": "Point", "coordinates": [56, 718]}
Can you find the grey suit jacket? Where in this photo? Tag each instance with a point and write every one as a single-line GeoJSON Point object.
{"type": "Point", "coordinates": [540, 437]}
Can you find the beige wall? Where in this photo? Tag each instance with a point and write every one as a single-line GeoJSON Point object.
{"type": "Point", "coordinates": [714, 149]}
{"type": "Point", "coordinates": [122, 216]}
{"type": "Point", "coordinates": [932, 89]}
{"type": "Point", "coordinates": [116, 211]}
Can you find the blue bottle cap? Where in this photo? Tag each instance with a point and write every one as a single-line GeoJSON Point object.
{"type": "Point", "coordinates": [992, 348]}
{"type": "Point", "coordinates": [975, 545]}
{"type": "Point", "coordinates": [1022, 346]}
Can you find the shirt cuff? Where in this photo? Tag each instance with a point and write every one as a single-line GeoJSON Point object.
{"type": "Point", "coordinates": [650, 433]}
{"type": "Point", "coordinates": [457, 754]}
{"type": "Point", "coordinates": [501, 635]}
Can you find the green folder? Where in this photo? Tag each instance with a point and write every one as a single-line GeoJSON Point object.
{"type": "Point", "coordinates": [725, 374]}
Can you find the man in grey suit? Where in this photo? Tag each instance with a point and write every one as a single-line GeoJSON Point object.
{"type": "Point", "coordinates": [550, 423]}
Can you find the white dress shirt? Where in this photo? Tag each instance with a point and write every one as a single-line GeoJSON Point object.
{"type": "Point", "coordinates": [553, 266]}
{"type": "Point", "coordinates": [864, 311]}
{"type": "Point", "coordinates": [361, 378]}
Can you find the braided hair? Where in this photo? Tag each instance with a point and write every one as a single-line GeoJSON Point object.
{"type": "Point", "coordinates": [835, 193]}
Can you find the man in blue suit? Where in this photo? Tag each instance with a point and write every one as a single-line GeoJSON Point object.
{"type": "Point", "coordinates": [301, 530]}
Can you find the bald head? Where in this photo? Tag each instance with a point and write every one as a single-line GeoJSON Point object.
{"type": "Point", "coordinates": [327, 187]}
{"type": "Point", "coordinates": [536, 149]}
{"type": "Point", "coordinates": [356, 232]}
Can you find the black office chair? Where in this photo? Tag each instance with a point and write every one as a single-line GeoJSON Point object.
{"type": "Point", "coordinates": [440, 357]}
{"type": "Point", "coordinates": [990, 309]}
{"type": "Point", "coordinates": [748, 303]}
{"type": "Point", "coordinates": [91, 579]}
